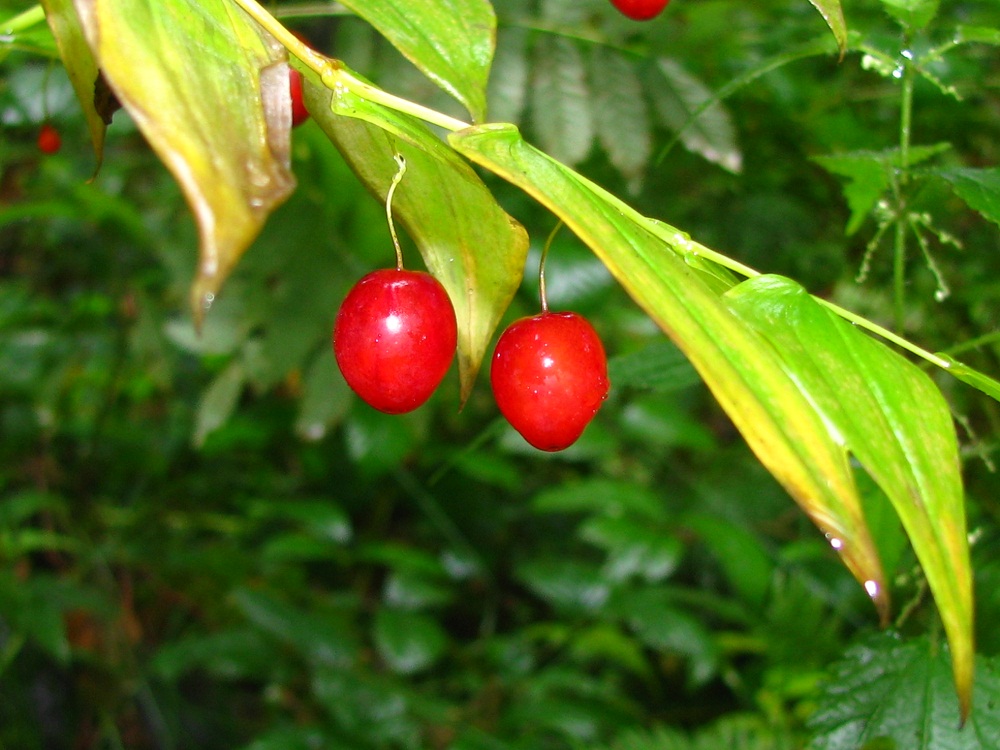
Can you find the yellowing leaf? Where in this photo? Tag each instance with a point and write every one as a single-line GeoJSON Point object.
{"type": "Point", "coordinates": [209, 90]}
{"type": "Point", "coordinates": [896, 422]}
{"type": "Point", "coordinates": [789, 436]}
{"type": "Point", "coordinates": [80, 66]}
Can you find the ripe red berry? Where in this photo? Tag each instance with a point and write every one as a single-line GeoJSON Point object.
{"type": "Point", "coordinates": [299, 112]}
{"type": "Point", "coordinates": [550, 376]}
{"type": "Point", "coordinates": [49, 140]}
{"type": "Point", "coordinates": [640, 10]}
{"type": "Point", "coordinates": [394, 338]}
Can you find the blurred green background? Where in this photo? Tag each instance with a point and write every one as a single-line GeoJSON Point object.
{"type": "Point", "coordinates": [208, 542]}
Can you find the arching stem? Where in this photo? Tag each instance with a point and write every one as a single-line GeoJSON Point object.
{"type": "Point", "coordinates": [336, 78]}
{"type": "Point", "coordinates": [388, 208]}
{"type": "Point", "coordinates": [541, 266]}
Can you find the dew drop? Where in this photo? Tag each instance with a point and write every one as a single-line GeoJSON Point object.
{"type": "Point", "coordinates": [872, 588]}
{"type": "Point", "coordinates": [206, 301]}
{"type": "Point", "coordinates": [837, 544]}
{"type": "Point", "coordinates": [941, 295]}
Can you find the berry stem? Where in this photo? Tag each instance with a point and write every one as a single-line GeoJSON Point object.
{"type": "Point", "coordinates": [20, 22]}
{"type": "Point", "coordinates": [337, 78]}
{"type": "Point", "coordinates": [401, 161]}
{"type": "Point", "coordinates": [543, 296]}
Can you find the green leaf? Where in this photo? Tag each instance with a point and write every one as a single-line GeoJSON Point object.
{"type": "Point", "coordinates": [451, 41]}
{"type": "Point", "coordinates": [508, 89]}
{"type": "Point", "coordinates": [411, 589]}
{"type": "Point", "coordinates": [218, 402]}
{"type": "Point", "coordinates": [890, 692]}
{"type": "Point", "coordinates": [35, 607]}
{"type": "Point", "coordinates": [633, 548]}
{"type": "Point", "coordinates": [172, 64]}
{"type": "Point", "coordinates": [561, 104]}
{"type": "Point", "coordinates": [409, 642]}
{"type": "Point", "coordinates": [621, 115]}
{"type": "Point", "coordinates": [320, 637]}
{"type": "Point", "coordinates": [893, 418]}
{"type": "Point", "coordinates": [732, 732]}
{"type": "Point", "coordinates": [978, 35]}
{"type": "Point", "coordinates": [80, 66]}
{"type": "Point", "coordinates": [780, 424]}
{"type": "Point", "coordinates": [369, 705]}
{"type": "Point", "coordinates": [19, 507]}
{"type": "Point", "coordinates": [659, 422]}
{"type": "Point", "coordinates": [325, 398]}
{"type": "Point", "coordinates": [377, 442]}
{"type": "Point", "coordinates": [467, 241]}
{"type": "Point", "coordinates": [660, 625]}
{"type": "Point", "coordinates": [867, 180]}
{"type": "Point", "coordinates": [746, 564]}
{"type": "Point", "coordinates": [607, 643]}
{"type": "Point", "coordinates": [833, 14]}
{"type": "Point", "coordinates": [980, 188]}
{"type": "Point", "coordinates": [660, 367]}
{"type": "Point", "coordinates": [229, 654]}
{"type": "Point", "coordinates": [290, 738]}
{"type": "Point", "coordinates": [323, 519]}
{"type": "Point", "coordinates": [614, 498]}
{"type": "Point", "coordinates": [568, 584]}
{"type": "Point", "coordinates": [295, 547]}
{"type": "Point", "coordinates": [976, 379]}
{"type": "Point", "coordinates": [869, 174]}
{"type": "Point", "coordinates": [914, 14]}
{"type": "Point", "coordinates": [686, 106]}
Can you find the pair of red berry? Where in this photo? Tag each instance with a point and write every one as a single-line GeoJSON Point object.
{"type": "Point", "coordinates": [395, 336]}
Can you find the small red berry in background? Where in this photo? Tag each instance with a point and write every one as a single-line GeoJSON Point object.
{"type": "Point", "coordinates": [394, 338]}
{"type": "Point", "coordinates": [640, 10]}
{"type": "Point", "coordinates": [299, 112]}
{"type": "Point", "coordinates": [549, 377]}
{"type": "Point", "coordinates": [49, 140]}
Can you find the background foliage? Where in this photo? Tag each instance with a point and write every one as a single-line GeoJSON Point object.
{"type": "Point", "coordinates": [206, 541]}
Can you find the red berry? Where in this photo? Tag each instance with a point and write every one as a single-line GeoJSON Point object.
{"type": "Point", "coordinates": [550, 376]}
{"type": "Point", "coordinates": [640, 10]}
{"type": "Point", "coordinates": [49, 140]}
{"type": "Point", "coordinates": [299, 112]}
{"type": "Point", "coordinates": [394, 338]}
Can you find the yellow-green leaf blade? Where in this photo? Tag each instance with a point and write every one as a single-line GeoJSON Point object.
{"type": "Point", "coordinates": [898, 425]}
{"type": "Point", "coordinates": [209, 91]}
{"type": "Point", "coordinates": [451, 41]}
{"type": "Point", "coordinates": [80, 65]}
{"type": "Point", "coordinates": [971, 376]}
{"type": "Point", "coordinates": [471, 245]}
{"type": "Point", "coordinates": [780, 425]}
{"type": "Point", "coordinates": [833, 14]}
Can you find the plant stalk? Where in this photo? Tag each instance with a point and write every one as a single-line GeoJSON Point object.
{"type": "Point", "coordinates": [337, 78]}
{"type": "Point", "coordinates": [900, 185]}
{"type": "Point", "coordinates": [22, 21]}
